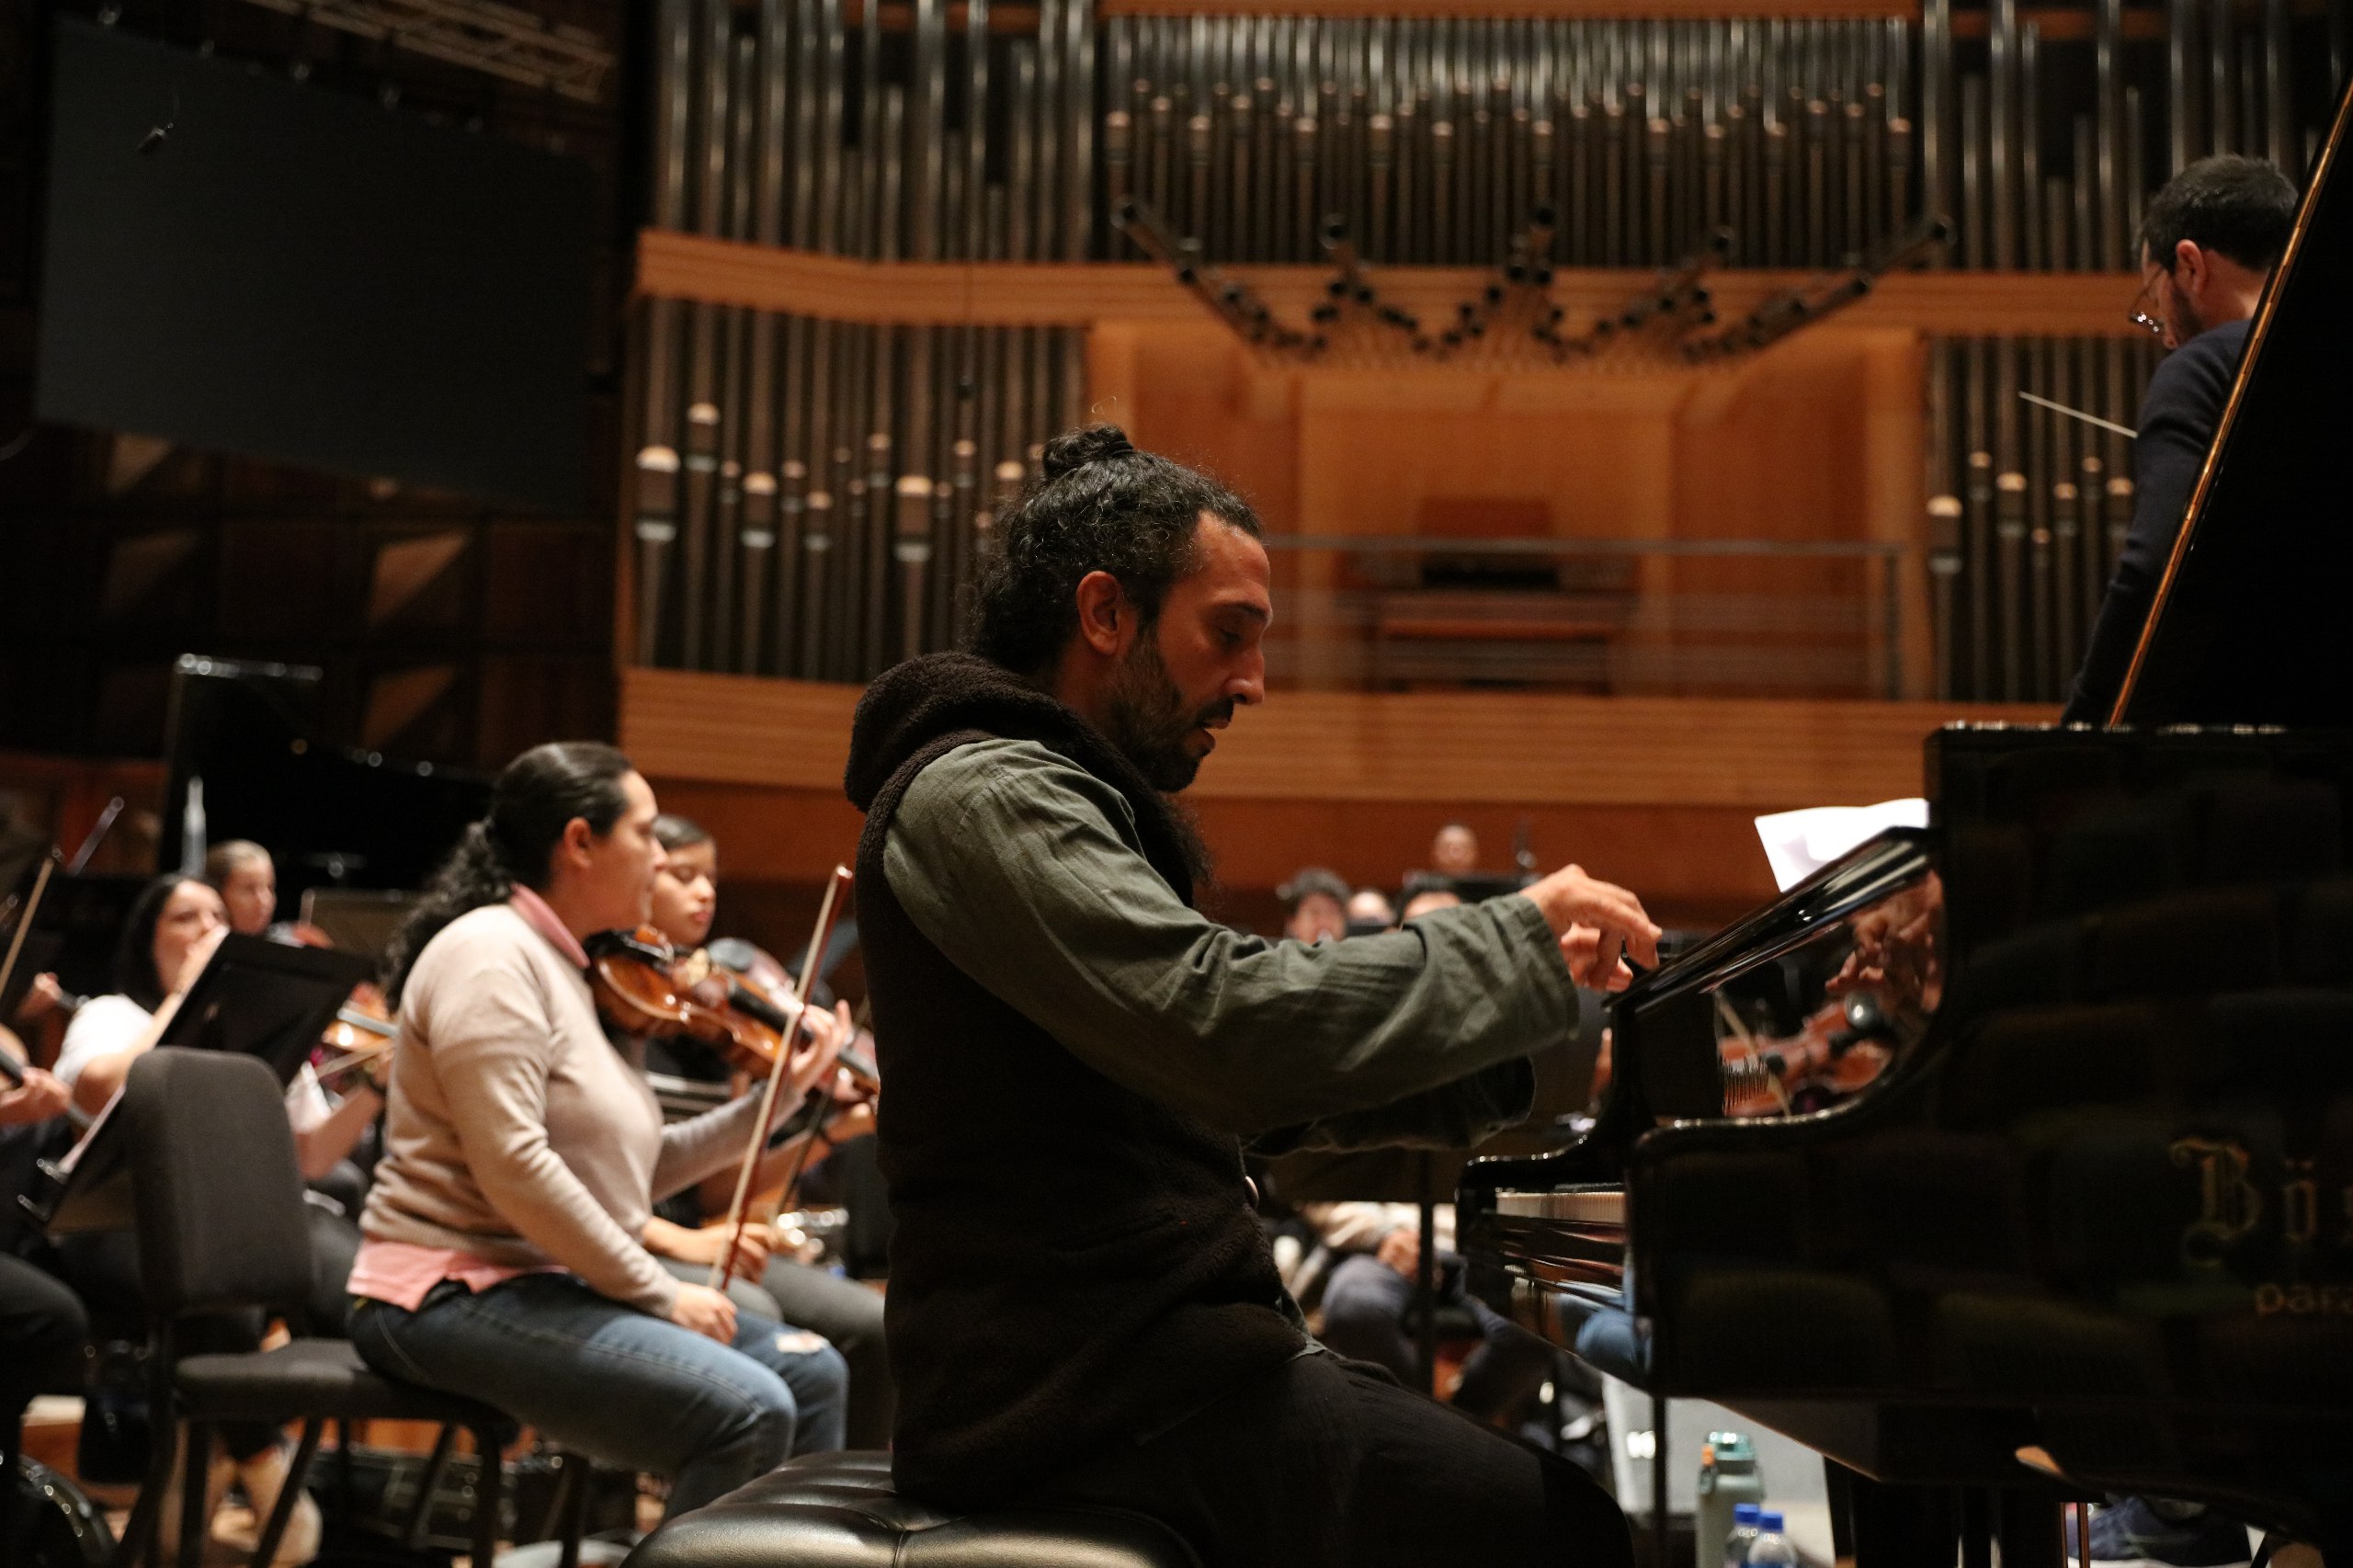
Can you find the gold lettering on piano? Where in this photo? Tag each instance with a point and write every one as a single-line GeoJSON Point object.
{"type": "Point", "coordinates": [2303, 1301]}
{"type": "Point", "coordinates": [2230, 1206]}
{"type": "Point", "coordinates": [2299, 1204]}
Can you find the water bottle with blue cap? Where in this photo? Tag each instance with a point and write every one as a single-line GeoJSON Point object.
{"type": "Point", "coordinates": [1741, 1535]}
{"type": "Point", "coordinates": [1771, 1548]}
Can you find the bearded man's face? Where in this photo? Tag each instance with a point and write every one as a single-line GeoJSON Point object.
{"type": "Point", "coordinates": [1151, 721]}
{"type": "Point", "coordinates": [1195, 661]}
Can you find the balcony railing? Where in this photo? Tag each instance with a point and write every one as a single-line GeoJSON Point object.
{"type": "Point", "coordinates": [1691, 617]}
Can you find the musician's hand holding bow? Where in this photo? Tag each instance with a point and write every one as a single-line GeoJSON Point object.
{"type": "Point", "coordinates": [707, 1312]}
{"type": "Point", "coordinates": [39, 1097]}
{"type": "Point", "coordinates": [1597, 922]}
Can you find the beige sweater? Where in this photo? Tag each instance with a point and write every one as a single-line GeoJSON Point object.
{"type": "Point", "coordinates": [516, 1132]}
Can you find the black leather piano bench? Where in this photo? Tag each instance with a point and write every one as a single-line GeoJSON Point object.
{"type": "Point", "coordinates": [838, 1511]}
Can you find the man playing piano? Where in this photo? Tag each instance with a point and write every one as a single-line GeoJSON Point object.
{"type": "Point", "coordinates": [2208, 243]}
{"type": "Point", "coordinates": [1083, 1306]}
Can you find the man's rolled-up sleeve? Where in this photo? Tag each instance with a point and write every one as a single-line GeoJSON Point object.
{"type": "Point", "coordinates": [1017, 865]}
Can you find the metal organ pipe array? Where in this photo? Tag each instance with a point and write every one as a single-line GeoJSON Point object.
{"type": "Point", "coordinates": [1811, 141]}
{"type": "Point", "coordinates": [1435, 138]}
{"type": "Point", "coordinates": [811, 496]}
{"type": "Point", "coordinates": [2027, 507]}
{"type": "Point", "coordinates": [824, 528]}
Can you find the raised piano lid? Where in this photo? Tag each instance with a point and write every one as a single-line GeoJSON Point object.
{"type": "Point", "coordinates": [2250, 623]}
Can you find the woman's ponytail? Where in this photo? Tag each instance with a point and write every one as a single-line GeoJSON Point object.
{"type": "Point", "coordinates": [534, 800]}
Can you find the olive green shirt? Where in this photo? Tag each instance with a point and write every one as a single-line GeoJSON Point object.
{"type": "Point", "coordinates": [1024, 870]}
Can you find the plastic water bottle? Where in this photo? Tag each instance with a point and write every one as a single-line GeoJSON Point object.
{"type": "Point", "coordinates": [1727, 1477]}
{"type": "Point", "coordinates": [1771, 1548]}
{"type": "Point", "coordinates": [1741, 1535]}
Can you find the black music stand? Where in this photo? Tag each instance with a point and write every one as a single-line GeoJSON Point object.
{"type": "Point", "coordinates": [266, 999]}
{"type": "Point", "coordinates": [1479, 885]}
{"type": "Point", "coordinates": [356, 922]}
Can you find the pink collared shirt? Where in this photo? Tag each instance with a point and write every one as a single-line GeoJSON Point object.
{"type": "Point", "coordinates": [538, 915]}
{"type": "Point", "coordinates": [402, 1273]}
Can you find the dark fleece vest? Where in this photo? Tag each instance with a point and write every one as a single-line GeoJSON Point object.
{"type": "Point", "coordinates": [1074, 1265]}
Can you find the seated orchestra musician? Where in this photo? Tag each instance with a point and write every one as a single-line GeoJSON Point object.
{"type": "Point", "coordinates": [173, 928]}
{"type": "Point", "coordinates": [523, 1155]}
{"type": "Point", "coordinates": [43, 1327]}
{"type": "Point", "coordinates": [1083, 1306]}
{"type": "Point", "coordinates": [1454, 850]}
{"type": "Point", "coordinates": [1317, 905]}
{"type": "Point", "coordinates": [245, 877]}
{"type": "Point", "coordinates": [1424, 893]}
{"type": "Point", "coordinates": [171, 932]}
{"type": "Point", "coordinates": [1370, 911]}
{"type": "Point", "coordinates": [688, 1230]}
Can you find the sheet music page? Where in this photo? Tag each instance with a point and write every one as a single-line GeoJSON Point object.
{"type": "Point", "coordinates": [1799, 844]}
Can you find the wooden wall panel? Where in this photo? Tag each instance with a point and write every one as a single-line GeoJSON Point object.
{"type": "Point", "coordinates": [787, 734]}
{"type": "Point", "coordinates": [1437, 749]}
{"type": "Point", "coordinates": [63, 797]}
{"type": "Point", "coordinates": [1690, 865]}
{"type": "Point", "coordinates": [1657, 794]}
{"type": "Point", "coordinates": [1817, 442]}
{"type": "Point", "coordinates": [1203, 403]}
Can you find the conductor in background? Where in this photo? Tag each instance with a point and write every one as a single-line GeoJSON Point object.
{"type": "Point", "coordinates": [2207, 244]}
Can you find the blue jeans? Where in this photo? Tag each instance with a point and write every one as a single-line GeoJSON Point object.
{"type": "Point", "coordinates": [617, 1384]}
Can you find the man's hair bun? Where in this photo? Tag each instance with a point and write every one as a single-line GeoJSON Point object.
{"type": "Point", "coordinates": [1098, 504]}
{"type": "Point", "coordinates": [1089, 444]}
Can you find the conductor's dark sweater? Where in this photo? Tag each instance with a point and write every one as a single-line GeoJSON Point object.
{"type": "Point", "coordinates": [2179, 415]}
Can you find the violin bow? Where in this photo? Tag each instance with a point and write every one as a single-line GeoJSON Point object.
{"type": "Point", "coordinates": [738, 1208]}
{"type": "Point", "coordinates": [10, 1068]}
{"type": "Point", "coordinates": [25, 921]}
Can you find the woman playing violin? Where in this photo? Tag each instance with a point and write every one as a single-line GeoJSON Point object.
{"type": "Point", "coordinates": [682, 1233]}
{"type": "Point", "coordinates": [504, 1258]}
{"type": "Point", "coordinates": [173, 928]}
{"type": "Point", "coordinates": [245, 877]}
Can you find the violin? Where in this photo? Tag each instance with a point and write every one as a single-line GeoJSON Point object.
{"type": "Point", "coordinates": [1839, 1051]}
{"type": "Point", "coordinates": [361, 1030]}
{"type": "Point", "coordinates": [645, 986]}
{"type": "Point", "coordinates": [765, 973]}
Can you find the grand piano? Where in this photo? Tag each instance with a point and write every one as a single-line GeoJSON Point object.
{"type": "Point", "coordinates": [2011, 1161]}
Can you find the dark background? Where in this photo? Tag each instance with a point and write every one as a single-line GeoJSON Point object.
{"type": "Point", "coordinates": [310, 277]}
{"type": "Point", "coordinates": [450, 626]}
